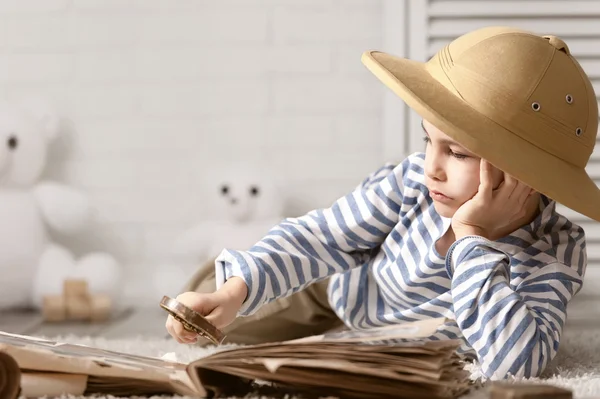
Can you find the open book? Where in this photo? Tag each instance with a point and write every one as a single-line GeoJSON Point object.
{"type": "Point", "coordinates": [344, 364]}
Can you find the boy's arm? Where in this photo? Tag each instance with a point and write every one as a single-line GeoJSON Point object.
{"type": "Point", "coordinates": [300, 251]}
{"type": "Point", "coordinates": [514, 330]}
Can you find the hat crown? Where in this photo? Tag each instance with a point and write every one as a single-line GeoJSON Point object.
{"type": "Point", "coordinates": [529, 84]}
{"type": "Point", "coordinates": [557, 43]}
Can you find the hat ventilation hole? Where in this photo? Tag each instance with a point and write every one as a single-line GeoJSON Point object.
{"type": "Point", "coordinates": [536, 106]}
{"type": "Point", "coordinates": [578, 131]}
{"type": "Point", "coordinates": [569, 99]}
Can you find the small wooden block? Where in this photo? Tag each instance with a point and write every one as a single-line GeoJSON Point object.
{"type": "Point", "coordinates": [75, 288]}
{"type": "Point", "coordinates": [78, 308]}
{"type": "Point", "coordinates": [54, 308]}
{"type": "Point", "coordinates": [528, 391]}
{"type": "Point", "coordinates": [100, 307]}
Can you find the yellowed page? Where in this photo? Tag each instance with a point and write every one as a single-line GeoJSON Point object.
{"type": "Point", "coordinates": [35, 384]}
{"type": "Point", "coordinates": [36, 354]}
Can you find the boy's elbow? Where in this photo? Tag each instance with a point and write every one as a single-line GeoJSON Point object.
{"type": "Point", "coordinates": [523, 367]}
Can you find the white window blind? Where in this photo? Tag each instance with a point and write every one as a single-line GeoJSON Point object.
{"type": "Point", "coordinates": [428, 25]}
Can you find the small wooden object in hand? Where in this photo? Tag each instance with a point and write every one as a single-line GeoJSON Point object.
{"type": "Point", "coordinates": [192, 321]}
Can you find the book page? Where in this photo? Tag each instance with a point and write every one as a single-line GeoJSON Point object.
{"type": "Point", "coordinates": [36, 384]}
{"type": "Point", "coordinates": [36, 354]}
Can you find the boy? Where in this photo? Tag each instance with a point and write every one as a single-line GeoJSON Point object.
{"type": "Point", "coordinates": [445, 233]}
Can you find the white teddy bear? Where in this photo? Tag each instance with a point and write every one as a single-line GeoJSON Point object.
{"type": "Point", "coordinates": [249, 204]}
{"type": "Point", "coordinates": [32, 265]}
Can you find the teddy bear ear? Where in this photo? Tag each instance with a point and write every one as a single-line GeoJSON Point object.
{"type": "Point", "coordinates": [45, 116]}
{"type": "Point", "coordinates": [50, 125]}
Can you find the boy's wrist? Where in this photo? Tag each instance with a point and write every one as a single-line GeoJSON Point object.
{"type": "Point", "coordinates": [236, 289]}
{"type": "Point", "coordinates": [464, 231]}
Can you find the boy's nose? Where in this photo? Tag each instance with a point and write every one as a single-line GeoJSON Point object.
{"type": "Point", "coordinates": [435, 176]}
{"type": "Point", "coordinates": [233, 201]}
{"type": "Point", "coordinates": [434, 171]}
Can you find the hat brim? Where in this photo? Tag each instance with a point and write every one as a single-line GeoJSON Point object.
{"type": "Point", "coordinates": [547, 174]}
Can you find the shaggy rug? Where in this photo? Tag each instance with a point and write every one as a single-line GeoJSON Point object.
{"type": "Point", "coordinates": [576, 366]}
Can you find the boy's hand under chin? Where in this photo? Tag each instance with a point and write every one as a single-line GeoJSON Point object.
{"type": "Point", "coordinates": [491, 209]}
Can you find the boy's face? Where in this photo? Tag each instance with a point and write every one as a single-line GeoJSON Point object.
{"type": "Point", "coordinates": [451, 172]}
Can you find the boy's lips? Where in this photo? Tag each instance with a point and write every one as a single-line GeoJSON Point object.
{"type": "Point", "coordinates": [435, 194]}
{"type": "Point", "coordinates": [438, 192]}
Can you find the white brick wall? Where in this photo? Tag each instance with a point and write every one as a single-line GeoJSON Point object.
{"type": "Point", "coordinates": [157, 90]}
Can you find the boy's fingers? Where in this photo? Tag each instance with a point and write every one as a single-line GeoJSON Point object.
{"type": "Point", "coordinates": [511, 185]}
{"type": "Point", "coordinates": [485, 178]}
{"type": "Point", "coordinates": [168, 325]}
{"type": "Point", "coordinates": [171, 330]}
{"type": "Point", "coordinates": [180, 334]}
{"type": "Point", "coordinates": [524, 193]}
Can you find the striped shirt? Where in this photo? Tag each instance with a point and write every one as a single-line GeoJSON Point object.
{"type": "Point", "coordinates": [506, 299]}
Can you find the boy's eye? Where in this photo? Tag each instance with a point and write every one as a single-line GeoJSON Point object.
{"type": "Point", "coordinates": [457, 155]}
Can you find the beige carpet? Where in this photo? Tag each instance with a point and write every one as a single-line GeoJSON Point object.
{"type": "Point", "coordinates": [577, 365]}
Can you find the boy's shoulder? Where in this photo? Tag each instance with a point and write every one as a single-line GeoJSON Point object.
{"type": "Point", "coordinates": [407, 172]}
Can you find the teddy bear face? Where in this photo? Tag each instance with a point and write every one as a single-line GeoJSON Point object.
{"type": "Point", "coordinates": [248, 196]}
{"type": "Point", "coordinates": [22, 149]}
{"type": "Point", "coordinates": [241, 200]}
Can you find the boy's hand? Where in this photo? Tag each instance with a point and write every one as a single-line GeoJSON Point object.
{"type": "Point", "coordinates": [491, 209]}
{"type": "Point", "coordinates": [220, 308]}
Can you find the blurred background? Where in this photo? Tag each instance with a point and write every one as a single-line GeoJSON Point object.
{"type": "Point", "coordinates": [160, 100]}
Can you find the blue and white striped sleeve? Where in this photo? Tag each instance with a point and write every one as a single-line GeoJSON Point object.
{"type": "Point", "coordinates": [303, 250]}
{"type": "Point", "coordinates": [515, 330]}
